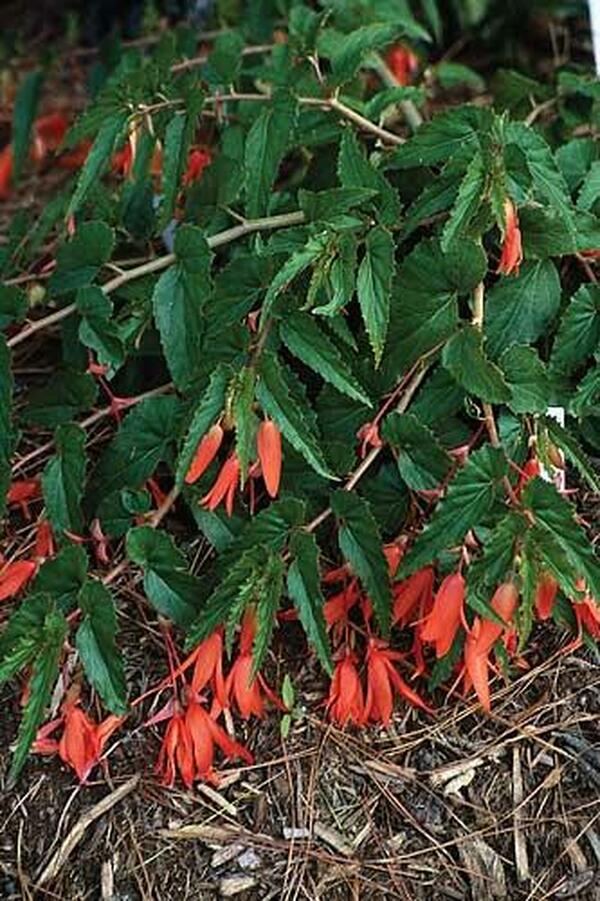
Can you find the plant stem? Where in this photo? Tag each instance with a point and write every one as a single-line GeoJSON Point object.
{"type": "Point", "coordinates": [364, 465]}
{"type": "Point", "coordinates": [225, 237]}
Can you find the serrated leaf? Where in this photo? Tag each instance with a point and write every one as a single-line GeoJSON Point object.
{"type": "Point", "coordinates": [245, 419]}
{"type": "Point", "coordinates": [266, 145]}
{"type": "Point", "coordinates": [95, 641]}
{"type": "Point", "coordinates": [98, 158]}
{"type": "Point", "coordinates": [554, 515]}
{"type": "Point", "coordinates": [568, 444]}
{"type": "Point", "coordinates": [465, 359]}
{"type": "Point", "coordinates": [63, 480]}
{"type": "Point", "coordinates": [274, 397]}
{"type": "Point", "coordinates": [304, 589]}
{"type": "Point", "coordinates": [178, 137]}
{"type": "Point", "coordinates": [340, 278]}
{"type": "Point", "coordinates": [351, 49]}
{"type": "Point", "coordinates": [306, 340]}
{"type": "Point", "coordinates": [422, 462]}
{"type": "Point", "coordinates": [271, 587]}
{"type": "Point", "coordinates": [297, 263]}
{"type": "Point", "coordinates": [6, 429]}
{"type": "Point", "coordinates": [360, 543]}
{"type": "Point", "coordinates": [168, 584]}
{"type": "Point", "coordinates": [450, 132]}
{"type": "Point", "coordinates": [319, 205]}
{"type": "Point", "coordinates": [378, 104]}
{"type": "Point", "coordinates": [590, 190]}
{"type": "Point", "coordinates": [58, 401]}
{"type": "Point", "coordinates": [24, 112]}
{"type": "Point", "coordinates": [355, 171]}
{"type": "Point", "coordinates": [225, 60]}
{"type": "Point", "coordinates": [519, 309]}
{"type": "Point", "coordinates": [13, 305]}
{"type": "Point", "coordinates": [471, 495]}
{"type": "Point", "coordinates": [25, 623]}
{"type": "Point", "coordinates": [79, 259]}
{"type": "Point", "coordinates": [468, 200]}
{"type": "Point", "coordinates": [578, 334]}
{"type": "Point", "coordinates": [61, 577]}
{"type": "Point", "coordinates": [373, 287]}
{"type": "Point", "coordinates": [527, 379]}
{"type": "Point", "coordinates": [544, 233]}
{"type": "Point", "coordinates": [177, 301]}
{"type": "Point", "coordinates": [96, 330]}
{"type": "Point", "coordinates": [143, 440]}
{"type": "Point", "coordinates": [206, 413]}
{"type": "Point", "coordinates": [43, 676]}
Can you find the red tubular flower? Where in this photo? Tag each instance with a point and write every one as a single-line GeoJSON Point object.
{"type": "Point", "coordinates": [225, 486]}
{"type": "Point", "coordinates": [44, 540]}
{"type": "Point", "coordinates": [268, 445]}
{"type": "Point", "coordinates": [14, 577]}
{"type": "Point", "coordinates": [22, 492]}
{"type": "Point", "coordinates": [198, 160]}
{"type": "Point", "coordinates": [78, 746]}
{"type": "Point", "coordinates": [512, 253]}
{"type": "Point", "coordinates": [382, 679]}
{"type": "Point", "coordinates": [205, 453]}
{"type": "Point", "coordinates": [122, 160]}
{"type": "Point", "coordinates": [209, 666]}
{"type": "Point", "coordinates": [531, 470]}
{"type": "Point", "coordinates": [412, 593]}
{"type": "Point", "coordinates": [248, 692]}
{"type": "Point", "coordinates": [205, 733]}
{"type": "Point", "coordinates": [74, 159]}
{"type": "Point", "coordinates": [403, 63]}
{"type": "Point", "coordinates": [545, 596]}
{"type": "Point", "coordinates": [587, 613]}
{"type": "Point", "coordinates": [369, 437]}
{"type": "Point", "coordinates": [443, 622]}
{"type": "Point", "coordinates": [6, 164]}
{"type": "Point", "coordinates": [49, 132]}
{"type": "Point", "coordinates": [337, 608]}
{"type": "Point", "coordinates": [176, 753]}
{"type": "Point", "coordinates": [346, 702]}
{"type": "Point", "coordinates": [482, 638]}
{"type": "Point", "coordinates": [393, 555]}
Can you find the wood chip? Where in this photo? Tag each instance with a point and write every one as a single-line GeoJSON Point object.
{"type": "Point", "coordinates": [333, 838]}
{"type": "Point", "coordinates": [203, 833]}
{"type": "Point", "coordinates": [78, 831]}
{"type": "Point", "coordinates": [521, 857]}
{"type": "Point", "coordinates": [453, 771]}
{"type": "Point", "coordinates": [233, 885]}
{"type": "Point", "coordinates": [485, 869]}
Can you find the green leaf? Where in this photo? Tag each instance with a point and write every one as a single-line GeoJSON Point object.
{"type": "Point", "coordinates": [378, 104]}
{"type": "Point", "coordinates": [447, 134]}
{"type": "Point", "coordinates": [24, 112]}
{"type": "Point", "coordinates": [43, 676]}
{"type": "Point", "coordinates": [361, 545]}
{"type": "Point", "coordinates": [178, 137]}
{"type": "Point", "coordinates": [568, 444]}
{"type": "Point", "coordinates": [373, 286]}
{"type": "Point", "coordinates": [225, 60]}
{"type": "Point", "coordinates": [79, 259]}
{"type": "Point", "coordinates": [297, 263]}
{"type": "Point", "coordinates": [471, 495]}
{"type": "Point", "coordinates": [96, 330]}
{"type": "Point", "coordinates": [468, 200]}
{"type": "Point", "coordinates": [246, 422]}
{"type": "Point", "coordinates": [578, 334]}
{"type": "Point", "coordinates": [527, 379]}
{"type": "Point", "coordinates": [269, 596]}
{"type": "Point", "coordinates": [63, 480]}
{"type": "Point", "coordinates": [61, 577]}
{"type": "Point", "coordinates": [98, 158]}
{"type": "Point", "coordinates": [306, 340]}
{"type": "Point", "coordinates": [266, 144]}
{"type": "Point", "coordinates": [555, 516]}
{"type": "Point", "coordinates": [274, 397]}
{"type": "Point", "coordinates": [327, 205]}
{"type": "Point", "coordinates": [58, 401]}
{"type": "Point", "coordinates": [95, 640]}
{"type": "Point", "coordinates": [25, 625]}
{"type": "Point", "coordinates": [519, 309]}
{"type": "Point", "coordinates": [168, 584]}
{"type": "Point", "coordinates": [464, 358]}
{"type": "Point", "coordinates": [178, 299]}
{"type": "Point", "coordinates": [208, 410]}
{"type": "Point", "coordinates": [422, 462]}
{"type": "Point", "coordinates": [544, 233]}
{"type": "Point", "coordinates": [355, 171]}
{"type": "Point", "coordinates": [351, 49]}
{"type": "Point", "coordinates": [590, 190]}
{"type": "Point", "coordinates": [13, 305]}
{"type": "Point", "coordinates": [6, 429]}
{"type": "Point", "coordinates": [304, 589]}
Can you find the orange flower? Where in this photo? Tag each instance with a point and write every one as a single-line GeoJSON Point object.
{"type": "Point", "coordinates": [403, 63]}
{"type": "Point", "coordinates": [346, 702]}
{"type": "Point", "coordinates": [393, 555]}
{"type": "Point", "coordinates": [249, 693]}
{"type": "Point", "coordinates": [21, 492]}
{"type": "Point", "coordinates": [205, 733]}
{"type": "Point", "coordinates": [337, 608]}
{"type": "Point", "coordinates": [512, 253]}
{"type": "Point", "coordinates": [122, 160]}
{"type": "Point", "coordinates": [198, 160]}
{"type": "Point", "coordinates": [587, 613]}
{"type": "Point", "coordinates": [268, 445]}
{"type": "Point", "coordinates": [412, 593]}
{"type": "Point", "coordinates": [482, 638]}
{"type": "Point", "coordinates": [545, 596]}
{"type": "Point", "coordinates": [44, 540]}
{"type": "Point", "coordinates": [74, 159]}
{"type": "Point", "coordinates": [6, 163]}
{"type": "Point", "coordinates": [209, 666]}
{"type": "Point", "coordinates": [531, 470]}
{"type": "Point", "coordinates": [205, 453]}
{"type": "Point", "coordinates": [82, 741]}
{"type": "Point", "coordinates": [176, 753]}
{"type": "Point", "coordinates": [369, 437]}
{"type": "Point", "coordinates": [442, 624]}
{"type": "Point", "coordinates": [382, 679]}
{"type": "Point", "coordinates": [49, 132]}
{"type": "Point", "coordinates": [225, 485]}
{"type": "Point", "coordinates": [14, 577]}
